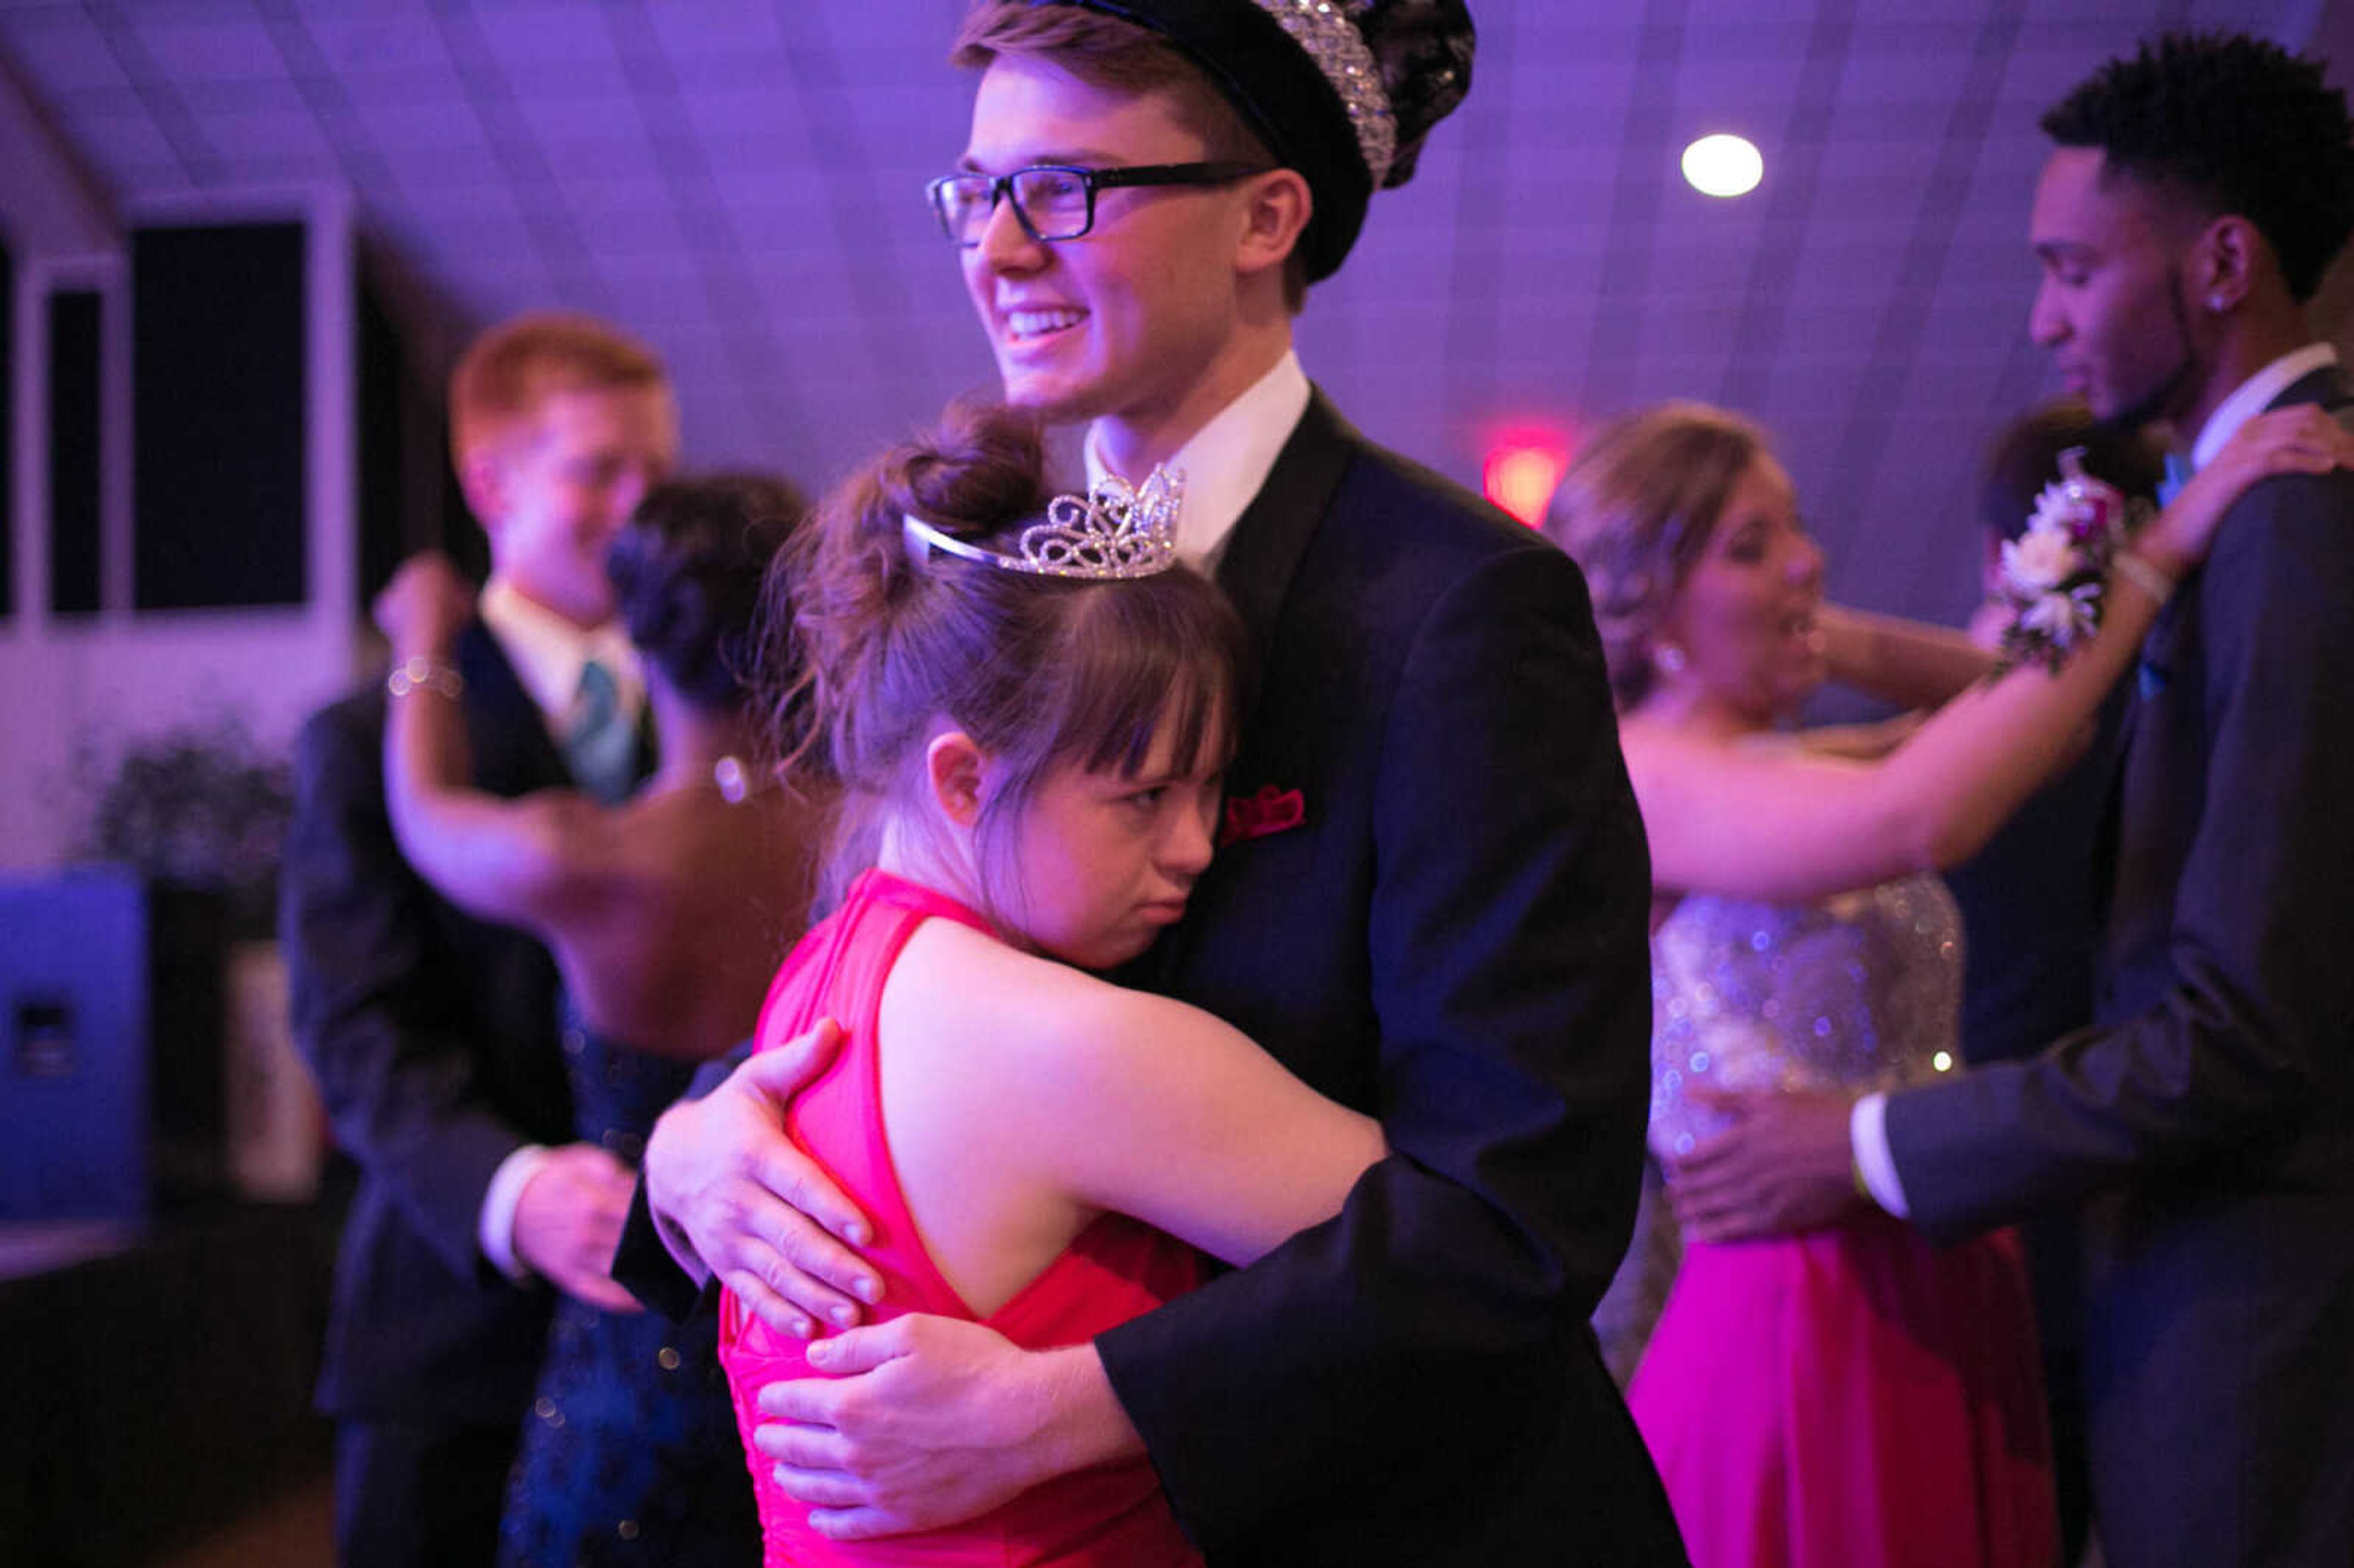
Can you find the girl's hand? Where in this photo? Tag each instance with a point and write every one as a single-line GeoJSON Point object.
{"type": "Point", "coordinates": [2302, 440]}
{"type": "Point", "coordinates": [424, 607]}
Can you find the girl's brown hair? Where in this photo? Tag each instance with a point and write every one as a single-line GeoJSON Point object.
{"type": "Point", "coordinates": [870, 645]}
{"type": "Point", "coordinates": [1636, 510]}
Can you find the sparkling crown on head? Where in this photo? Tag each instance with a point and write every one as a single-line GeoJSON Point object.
{"type": "Point", "coordinates": [1115, 531]}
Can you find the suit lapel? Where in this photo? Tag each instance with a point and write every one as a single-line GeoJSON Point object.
{"type": "Point", "coordinates": [512, 749]}
{"type": "Point", "coordinates": [2162, 654]}
{"type": "Point", "coordinates": [1263, 556]}
{"type": "Point", "coordinates": [2328, 386]}
{"type": "Point", "coordinates": [649, 745]}
{"type": "Point", "coordinates": [2161, 649]}
{"type": "Point", "coordinates": [1264, 551]}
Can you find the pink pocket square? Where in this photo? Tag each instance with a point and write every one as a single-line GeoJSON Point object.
{"type": "Point", "coordinates": [1271, 810]}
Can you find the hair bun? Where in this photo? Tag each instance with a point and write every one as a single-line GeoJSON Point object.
{"type": "Point", "coordinates": [688, 571]}
{"type": "Point", "coordinates": [973, 476]}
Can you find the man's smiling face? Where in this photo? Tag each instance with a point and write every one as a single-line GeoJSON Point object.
{"type": "Point", "coordinates": [1122, 321]}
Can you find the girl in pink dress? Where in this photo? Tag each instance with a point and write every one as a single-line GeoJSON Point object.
{"type": "Point", "coordinates": [1027, 706]}
{"type": "Point", "coordinates": [1848, 1396]}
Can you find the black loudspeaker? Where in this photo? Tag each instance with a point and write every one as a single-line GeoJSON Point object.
{"type": "Point", "coordinates": [110, 1006]}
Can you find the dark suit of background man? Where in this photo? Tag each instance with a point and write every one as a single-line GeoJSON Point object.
{"type": "Point", "coordinates": [2198, 193]}
{"type": "Point", "coordinates": [432, 1035]}
{"type": "Point", "coordinates": [2031, 903]}
{"type": "Point", "coordinates": [1451, 934]}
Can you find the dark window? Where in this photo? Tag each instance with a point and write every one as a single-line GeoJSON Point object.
{"type": "Point", "coordinates": [7, 431]}
{"type": "Point", "coordinates": [218, 416]}
{"type": "Point", "coordinates": [75, 524]}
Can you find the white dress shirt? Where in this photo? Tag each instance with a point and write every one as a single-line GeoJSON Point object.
{"type": "Point", "coordinates": [548, 652]}
{"type": "Point", "coordinates": [1226, 462]}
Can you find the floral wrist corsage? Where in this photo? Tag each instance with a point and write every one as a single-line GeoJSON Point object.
{"type": "Point", "coordinates": [2055, 574]}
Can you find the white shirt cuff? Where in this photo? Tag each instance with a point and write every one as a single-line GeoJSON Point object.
{"type": "Point", "coordinates": [1867, 1132]}
{"type": "Point", "coordinates": [496, 1230]}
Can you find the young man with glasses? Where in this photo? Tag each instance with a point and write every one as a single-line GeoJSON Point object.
{"type": "Point", "coordinates": [1433, 905]}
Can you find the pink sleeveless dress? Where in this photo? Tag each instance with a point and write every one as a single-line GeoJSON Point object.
{"type": "Point", "coordinates": [1115, 1269]}
{"type": "Point", "coordinates": [1850, 1397]}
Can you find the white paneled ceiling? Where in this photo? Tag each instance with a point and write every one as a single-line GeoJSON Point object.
{"type": "Point", "coordinates": [741, 182]}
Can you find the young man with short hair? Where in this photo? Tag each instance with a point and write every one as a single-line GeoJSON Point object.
{"type": "Point", "coordinates": [431, 1035]}
{"type": "Point", "coordinates": [1432, 905]}
{"type": "Point", "coordinates": [2199, 191]}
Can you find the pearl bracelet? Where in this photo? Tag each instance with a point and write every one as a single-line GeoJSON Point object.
{"type": "Point", "coordinates": [424, 675]}
{"type": "Point", "coordinates": [2137, 569]}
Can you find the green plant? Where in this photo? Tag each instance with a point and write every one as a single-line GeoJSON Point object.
{"type": "Point", "coordinates": [204, 806]}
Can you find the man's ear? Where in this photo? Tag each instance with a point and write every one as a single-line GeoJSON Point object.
{"type": "Point", "coordinates": [2225, 266]}
{"type": "Point", "coordinates": [1277, 213]}
{"type": "Point", "coordinates": [483, 479]}
{"type": "Point", "coordinates": [953, 765]}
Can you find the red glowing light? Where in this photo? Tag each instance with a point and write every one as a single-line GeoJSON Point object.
{"type": "Point", "coordinates": [1520, 476]}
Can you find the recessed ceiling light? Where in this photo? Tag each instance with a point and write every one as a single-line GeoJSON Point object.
{"type": "Point", "coordinates": [1724, 166]}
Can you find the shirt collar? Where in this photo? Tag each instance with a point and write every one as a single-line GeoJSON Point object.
{"type": "Point", "coordinates": [1227, 461]}
{"type": "Point", "coordinates": [548, 652]}
{"type": "Point", "coordinates": [2254, 395]}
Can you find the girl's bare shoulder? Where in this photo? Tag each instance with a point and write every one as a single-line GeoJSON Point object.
{"type": "Point", "coordinates": [1028, 1001]}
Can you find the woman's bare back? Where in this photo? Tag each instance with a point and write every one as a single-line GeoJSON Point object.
{"type": "Point", "coordinates": [675, 909]}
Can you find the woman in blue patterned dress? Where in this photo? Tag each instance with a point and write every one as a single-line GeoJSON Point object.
{"type": "Point", "coordinates": [666, 913]}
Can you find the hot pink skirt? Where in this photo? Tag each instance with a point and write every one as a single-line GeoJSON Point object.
{"type": "Point", "coordinates": [1852, 1398]}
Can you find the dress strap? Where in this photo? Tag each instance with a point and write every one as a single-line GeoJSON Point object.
{"type": "Point", "coordinates": [886, 887]}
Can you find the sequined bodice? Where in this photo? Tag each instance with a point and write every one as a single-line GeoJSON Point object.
{"type": "Point", "coordinates": [1861, 991]}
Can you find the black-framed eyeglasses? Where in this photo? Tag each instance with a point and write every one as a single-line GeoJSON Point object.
{"type": "Point", "coordinates": [1056, 201]}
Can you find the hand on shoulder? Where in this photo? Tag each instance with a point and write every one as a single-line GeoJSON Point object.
{"type": "Point", "coordinates": [732, 1195]}
{"type": "Point", "coordinates": [2303, 439]}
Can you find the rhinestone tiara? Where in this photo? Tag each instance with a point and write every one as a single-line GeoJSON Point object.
{"type": "Point", "coordinates": [1113, 531]}
{"type": "Point", "coordinates": [1324, 29]}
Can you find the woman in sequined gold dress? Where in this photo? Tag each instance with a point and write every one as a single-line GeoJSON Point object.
{"type": "Point", "coordinates": [666, 913]}
{"type": "Point", "coordinates": [1848, 1395]}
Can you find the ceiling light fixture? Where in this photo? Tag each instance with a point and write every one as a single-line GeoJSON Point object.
{"type": "Point", "coordinates": [1724, 165]}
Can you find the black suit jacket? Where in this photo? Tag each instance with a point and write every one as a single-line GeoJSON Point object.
{"type": "Point", "coordinates": [2211, 1106]}
{"type": "Point", "coordinates": [1453, 939]}
{"type": "Point", "coordinates": [432, 1037]}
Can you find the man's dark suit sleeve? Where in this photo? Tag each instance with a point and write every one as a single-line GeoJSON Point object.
{"type": "Point", "coordinates": [642, 1265]}
{"type": "Point", "coordinates": [372, 1020]}
{"type": "Point", "coordinates": [1510, 965]}
{"type": "Point", "coordinates": [2263, 987]}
